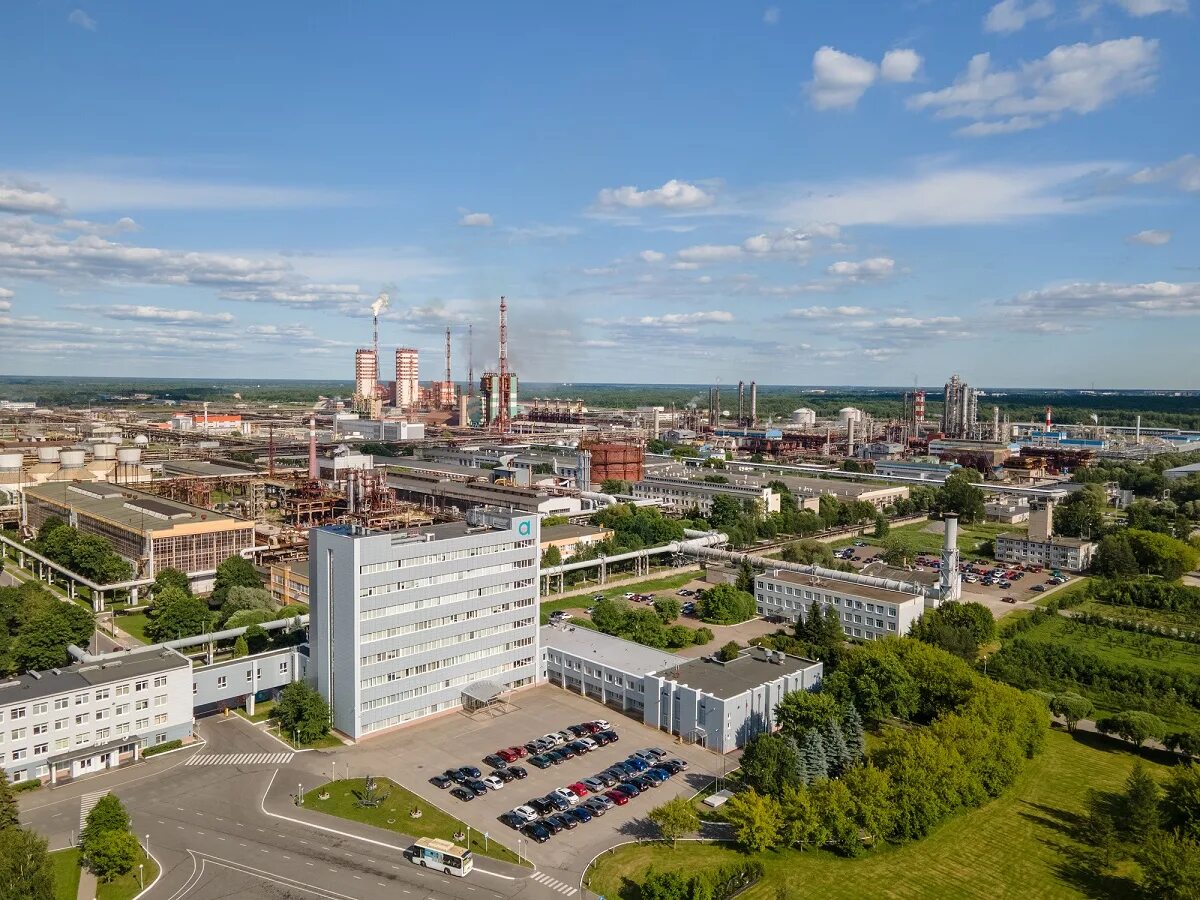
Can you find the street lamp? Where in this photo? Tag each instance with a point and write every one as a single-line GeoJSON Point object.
{"type": "Point", "coordinates": [299, 794]}
{"type": "Point", "coordinates": [141, 878]}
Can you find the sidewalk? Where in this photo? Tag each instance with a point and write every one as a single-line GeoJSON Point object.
{"type": "Point", "coordinates": [87, 885]}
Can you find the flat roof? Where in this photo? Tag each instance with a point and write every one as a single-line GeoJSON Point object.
{"type": "Point", "coordinates": [1055, 540]}
{"type": "Point", "coordinates": [128, 507]}
{"type": "Point", "coordinates": [567, 532]}
{"type": "Point", "coordinates": [606, 650]}
{"type": "Point", "coordinates": [81, 676]}
{"type": "Point", "coordinates": [880, 569]}
{"type": "Point", "coordinates": [202, 468]}
{"type": "Point", "coordinates": [726, 680]}
{"type": "Point", "coordinates": [854, 588]}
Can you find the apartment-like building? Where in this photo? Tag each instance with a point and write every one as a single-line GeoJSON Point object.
{"type": "Point", "coordinates": [684, 492]}
{"type": "Point", "coordinates": [288, 581]}
{"type": "Point", "coordinates": [866, 611]}
{"type": "Point", "coordinates": [65, 723]}
{"type": "Point", "coordinates": [405, 625]}
{"type": "Point", "coordinates": [1041, 546]}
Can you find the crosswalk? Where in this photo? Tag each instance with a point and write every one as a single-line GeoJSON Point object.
{"type": "Point", "coordinates": [86, 804]}
{"type": "Point", "coordinates": [240, 759]}
{"type": "Point", "coordinates": [553, 883]}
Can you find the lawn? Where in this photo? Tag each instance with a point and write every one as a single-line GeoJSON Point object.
{"type": "Point", "coordinates": [135, 625]}
{"type": "Point", "coordinates": [393, 814]}
{"type": "Point", "coordinates": [1020, 845]}
{"type": "Point", "coordinates": [65, 864]}
{"type": "Point", "coordinates": [927, 536]}
{"type": "Point", "coordinates": [1165, 618]}
{"type": "Point", "coordinates": [128, 886]}
{"type": "Point", "coordinates": [1125, 647]}
{"type": "Point", "coordinates": [262, 711]}
{"type": "Point", "coordinates": [583, 601]}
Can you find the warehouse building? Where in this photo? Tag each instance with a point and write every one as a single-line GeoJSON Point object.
{"type": "Point", "coordinates": [407, 625]}
{"type": "Point", "coordinates": [82, 719]}
{"type": "Point", "coordinates": [151, 532]}
{"type": "Point", "coordinates": [720, 705]}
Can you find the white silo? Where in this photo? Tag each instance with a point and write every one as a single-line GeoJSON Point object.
{"type": "Point", "coordinates": [141, 440]}
{"type": "Point", "coordinates": [129, 456]}
{"type": "Point", "coordinates": [11, 462]}
{"type": "Point", "coordinates": [48, 454]}
{"type": "Point", "coordinates": [104, 451]}
{"type": "Point", "coordinates": [72, 459]}
{"type": "Point", "coordinates": [849, 414]}
{"type": "Point", "coordinates": [804, 417]}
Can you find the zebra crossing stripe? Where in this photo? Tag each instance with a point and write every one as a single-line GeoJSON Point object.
{"type": "Point", "coordinates": [86, 804]}
{"type": "Point", "coordinates": [239, 759]}
{"type": "Point", "coordinates": [553, 883]}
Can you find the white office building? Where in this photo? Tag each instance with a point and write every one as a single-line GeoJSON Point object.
{"type": "Point", "coordinates": [406, 625]}
{"type": "Point", "coordinates": [82, 719]}
{"type": "Point", "coordinates": [866, 611]}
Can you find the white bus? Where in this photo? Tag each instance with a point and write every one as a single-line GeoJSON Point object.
{"type": "Point", "coordinates": [435, 853]}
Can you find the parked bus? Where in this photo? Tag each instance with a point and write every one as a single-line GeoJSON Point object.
{"type": "Point", "coordinates": [435, 853]}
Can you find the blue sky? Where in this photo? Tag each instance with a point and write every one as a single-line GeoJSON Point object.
{"type": "Point", "coordinates": [806, 193]}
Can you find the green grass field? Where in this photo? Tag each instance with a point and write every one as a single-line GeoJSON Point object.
{"type": "Point", "coordinates": [1118, 646]}
{"type": "Point", "coordinates": [393, 814]}
{"type": "Point", "coordinates": [650, 586]}
{"type": "Point", "coordinates": [65, 864]}
{"type": "Point", "coordinates": [928, 540]}
{"type": "Point", "coordinates": [1162, 617]}
{"type": "Point", "coordinates": [135, 625]}
{"type": "Point", "coordinates": [1021, 845]}
{"type": "Point", "coordinates": [129, 885]}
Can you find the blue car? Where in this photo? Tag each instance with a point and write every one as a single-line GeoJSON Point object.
{"type": "Point", "coordinates": [639, 765]}
{"type": "Point", "coordinates": [631, 790]}
{"type": "Point", "coordinates": [581, 814]}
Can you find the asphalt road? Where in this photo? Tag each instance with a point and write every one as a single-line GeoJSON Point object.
{"type": "Point", "coordinates": [216, 832]}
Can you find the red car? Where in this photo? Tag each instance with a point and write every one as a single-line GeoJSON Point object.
{"type": "Point", "coordinates": [591, 727]}
{"type": "Point", "coordinates": [507, 755]}
{"type": "Point", "coordinates": [616, 797]}
{"type": "Point", "coordinates": [579, 789]}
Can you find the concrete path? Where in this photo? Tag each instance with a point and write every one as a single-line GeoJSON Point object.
{"type": "Point", "coordinates": [87, 885]}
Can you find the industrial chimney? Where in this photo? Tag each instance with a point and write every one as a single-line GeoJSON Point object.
{"type": "Point", "coordinates": [950, 580]}
{"type": "Point", "coordinates": [753, 402]}
{"type": "Point", "coordinates": [313, 472]}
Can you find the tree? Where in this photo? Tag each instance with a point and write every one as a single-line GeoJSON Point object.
{"type": "Point", "coordinates": [814, 764]}
{"type": "Point", "coordinates": [241, 598]}
{"type": "Point", "coordinates": [959, 628]}
{"type": "Point", "coordinates": [235, 571]}
{"type": "Point", "coordinates": [1161, 554]}
{"type": "Point", "coordinates": [1071, 707]}
{"type": "Point", "coordinates": [797, 711]}
{"type": "Point", "coordinates": [870, 788]}
{"type": "Point", "coordinates": [756, 820]}
{"type": "Point", "coordinates": [257, 639]}
{"type": "Point", "coordinates": [178, 615]}
{"type": "Point", "coordinates": [809, 552]}
{"type": "Point", "coordinates": [1082, 513]}
{"type": "Point", "coordinates": [9, 812]}
{"type": "Point", "coordinates": [239, 647]}
{"type": "Point", "coordinates": [899, 549]}
{"type": "Point", "coordinates": [1181, 800]}
{"type": "Point", "coordinates": [303, 712]}
{"type": "Point", "coordinates": [729, 652]}
{"type": "Point", "coordinates": [171, 578]}
{"type": "Point", "coordinates": [25, 870]}
{"type": "Point", "coordinates": [1139, 803]}
{"type": "Point", "coordinates": [668, 609]}
{"type": "Point", "coordinates": [246, 617]}
{"type": "Point", "coordinates": [112, 853]}
{"type": "Point", "coordinates": [726, 511]}
{"type": "Point", "coordinates": [802, 823]}
{"type": "Point", "coordinates": [49, 626]}
{"type": "Point", "coordinates": [837, 755]}
{"type": "Point", "coordinates": [675, 818]}
{"type": "Point", "coordinates": [609, 614]}
{"type": "Point", "coordinates": [745, 576]}
{"type": "Point", "coordinates": [551, 556]}
{"type": "Point", "coordinates": [959, 494]}
{"type": "Point", "coordinates": [835, 806]}
{"type": "Point", "coordinates": [1170, 867]}
{"type": "Point", "coordinates": [614, 486]}
{"type": "Point", "coordinates": [881, 527]}
{"type": "Point", "coordinates": [1134, 726]}
{"type": "Point", "coordinates": [852, 731]}
{"type": "Point", "coordinates": [109, 814]}
{"type": "Point", "coordinates": [876, 682]}
{"type": "Point", "coordinates": [1114, 557]}
{"type": "Point", "coordinates": [724, 604]}
{"type": "Point", "coordinates": [770, 764]}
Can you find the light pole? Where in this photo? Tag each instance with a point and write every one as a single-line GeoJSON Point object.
{"type": "Point", "coordinates": [985, 664]}
{"type": "Point", "coordinates": [299, 794]}
{"type": "Point", "coordinates": [141, 878]}
{"type": "Point", "coordinates": [147, 845]}
{"type": "Point", "coordinates": [520, 851]}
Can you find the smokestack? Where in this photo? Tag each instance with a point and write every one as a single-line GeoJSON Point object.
{"type": "Point", "coordinates": [950, 579]}
{"type": "Point", "coordinates": [849, 437]}
{"type": "Point", "coordinates": [1137, 433]}
{"type": "Point", "coordinates": [313, 472]}
{"type": "Point", "coordinates": [1048, 409]}
{"type": "Point", "coordinates": [741, 402]}
{"type": "Point", "coordinates": [995, 423]}
{"type": "Point", "coordinates": [753, 402]}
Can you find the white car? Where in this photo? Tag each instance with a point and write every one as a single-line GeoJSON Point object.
{"type": "Point", "coordinates": [552, 739]}
{"type": "Point", "coordinates": [493, 782]}
{"type": "Point", "coordinates": [570, 796]}
{"type": "Point", "coordinates": [629, 595]}
{"type": "Point", "coordinates": [589, 743]}
{"type": "Point", "coordinates": [602, 725]}
{"type": "Point", "coordinates": [528, 813]}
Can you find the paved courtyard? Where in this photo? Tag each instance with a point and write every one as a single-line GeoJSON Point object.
{"type": "Point", "coordinates": [414, 754]}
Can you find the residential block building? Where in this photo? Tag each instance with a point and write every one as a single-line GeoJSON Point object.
{"type": "Point", "coordinates": [405, 625]}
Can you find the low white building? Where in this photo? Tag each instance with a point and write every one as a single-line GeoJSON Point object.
{"type": "Point", "coordinates": [684, 492]}
{"type": "Point", "coordinates": [866, 611]}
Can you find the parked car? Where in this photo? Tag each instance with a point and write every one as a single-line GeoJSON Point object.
{"type": "Point", "coordinates": [594, 784]}
{"type": "Point", "coordinates": [620, 798]}
{"type": "Point", "coordinates": [566, 751]}
{"type": "Point", "coordinates": [534, 747]}
{"type": "Point", "coordinates": [579, 747]}
{"type": "Point", "coordinates": [504, 775]}
{"type": "Point", "coordinates": [512, 820]}
{"type": "Point", "coordinates": [496, 761]}
{"type": "Point", "coordinates": [681, 763]}
{"type": "Point", "coordinates": [655, 753]}
{"type": "Point", "coordinates": [610, 777]}
{"type": "Point", "coordinates": [518, 772]}
{"type": "Point", "coordinates": [566, 794]}
{"type": "Point", "coordinates": [601, 739]}
{"type": "Point", "coordinates": [542, 805]}
{"type": "Point", "coordinates": [670, 766]}
{"type": "Point", "coordinates": [493, 782]}
{"type": "Point", "coordinates": [581, 814]}
{"type": "Point", "coordinates": [441, 781]}
{"type": "Point", "coordinates": [527, 813]}
{"type": "Point", "coordinates": [563, 820]}
{"type": "Point", "coordinates": [470, 771]}
{"type": "Point", "coordinates": [542, 761]}
{"type": "Point", "coordinates": [551, 740]}
{"type": "Point", "coordinates": [596, 806]}
{"type": "Point", "coordinates": [579, 789]}
{"type": "Point", "coordinates": [556, 757]}
{"type": "Point", "coordinates": [1009, 599]}
{"type": "Point", "coordinates": [602, 724]}
{"type": "Point", "coordinates": [1040, 588]}
{"type": "Point", "coordinates": [629, 789]}
{"type": "Point", "coordinates": [560, 804]}
{"type": "Point", "coordinates": [478, 787]}
{"type": "Point", "coordinates": [612, 736]}
{"type": "Point", "coordinates": [463, 794]}
{"type": "Point", "coordinates": [588, 744]}
{"type": "Point", "coordinates": [577, 731]}
{"type": "Point", "coordinates": [643, 783]}
{"type": "Point", "coordinates": [552, 824]}
{"type": "Point", "coordinates": [511, 754]}
{"type": "Point", "coordinates": [658, 776]}
{"type": "Point", "coordinates": [639, 764]}
{"type": "Point", "coordinates": [537, 832]}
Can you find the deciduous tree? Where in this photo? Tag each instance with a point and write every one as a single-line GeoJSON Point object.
{"type": "Point", "coordinates": [756, 820]}
{"type": "Point", "coordinates": [675, 818]}
{"type": "Point", "coordinates": [25, 870]}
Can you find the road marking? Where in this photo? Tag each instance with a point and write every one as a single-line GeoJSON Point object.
{"type": "Point", "coordinates": [240, 759]}
{"type": "Point", "coordinates": [554, 884]}
{"type": "Point", "coordinates": [86, 804]}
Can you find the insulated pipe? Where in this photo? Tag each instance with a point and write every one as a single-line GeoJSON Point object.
{"type": "Point", "coordinates": [85, 657]}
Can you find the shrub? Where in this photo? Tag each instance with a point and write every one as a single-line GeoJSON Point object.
{"type": "Point", "coordinates": [162, 748]}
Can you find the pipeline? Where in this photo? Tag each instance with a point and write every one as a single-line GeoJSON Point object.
{"type": "Point", "coordinates": [182, 643]}
{"type": "Point", "coordinates": [699, 540]}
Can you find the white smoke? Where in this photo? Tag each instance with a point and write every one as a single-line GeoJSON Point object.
{"type": "Point", "coordinates": [381, 303]}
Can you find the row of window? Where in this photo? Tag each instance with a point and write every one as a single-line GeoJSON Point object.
{"type": "Point", "coordinates": [422, 690]}
{"type": "Point", "coordinates": [393, 609]}
{"type": "Point", "coordinates": [41, 707]}
{"type": "Point", "coordinates": [617, 680]}
{"type": "Point", "coordinates": [850, 604]}
{"type": "Point", "coordinates": [432, 558]}
{"type": "Point", "coordinates": [223, 680]}
{"type": "Point", "coordinates": [442, 578]}
{"type": "Point", "coordinates": [82, 739]}
{"type": "Point", "coordinates": [121, 709]}
{"type": "Point", "coordinates": [454, 660]}
{"type": "Point", "coordinates": [425, 625]}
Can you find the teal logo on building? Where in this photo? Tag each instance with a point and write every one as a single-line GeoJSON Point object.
{"type": "Point", "coordinates": [525, 528]}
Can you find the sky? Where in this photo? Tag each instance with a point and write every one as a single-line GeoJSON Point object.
{"type": "Point", "coordinates": [794, 193]}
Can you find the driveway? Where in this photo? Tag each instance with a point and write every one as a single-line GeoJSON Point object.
{"type": "Point", "coordinates": [414, 754]}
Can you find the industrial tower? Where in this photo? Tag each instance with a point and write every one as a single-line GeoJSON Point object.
{"type": "Point", "coordinates": [502, 414]}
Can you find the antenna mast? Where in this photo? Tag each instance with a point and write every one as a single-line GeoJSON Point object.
{"type": "Point", "coordinates": [502, 417]}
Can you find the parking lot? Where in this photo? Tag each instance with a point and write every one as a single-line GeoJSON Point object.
{"type": "Point", "coordinates": [413, 755]}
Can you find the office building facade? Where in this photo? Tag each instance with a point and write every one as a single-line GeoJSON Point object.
{"type": "Point", "coordinates": [402, 623]}
{"type": "Point", "coordinates": [866, 611]}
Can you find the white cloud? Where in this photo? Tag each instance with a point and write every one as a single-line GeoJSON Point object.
{"type": "Point", "coordinates": [1141, 8]}
{"type": "Point", "coordinates": [1158, 298]}
{"type": "Point", "coordinates": [80, 19]}
{"type": "Point", "coordinates": [828, 312]}
{"type": "Point", "coordinates": [1183, 172]}
{"type": "Point", "coordinates": [1008, 16]}
{"type": "Point", "coordinates": [600, 270]}
{"type": "Point", "coordinates": [787, 243]}
{"type": "Point", "coordinates": [476, 220]}
{"type": "Point", "coordinates": [947, 197]}
{"type": "Point", "coordinates": [541, 232]}
{"type": "Point", "coordinates": [25, 198]}
{"type": "Point", "coordinates": [159, 314]}
{"type": "Point", "coordinates": [710, 253]}
{"type": "Point", "coordinates": [839, 79]}
{"type": "Point", "coordinates": [1079, 78]}
{"type": "Point", "coordinates": [6, 299]}
{"type": "Point", "coordinates": [874, 269]}
{"type": "Point", "coordinates": [771, 15]}
{"type": "Point", "coordinates": [652, 256]}
{"type": "Point", "coordinates": [1151, 237]}
{"type": "Point", "coordinates": [675, 194]}
{"type": "Point", "coordinates": [1002, 126]}
{"type": "Point", "coordinates": [900, 65]}
{"type": "Point", "coordinates": [692, 318]}
{"type": "Point", "coordinates": [684, 266]}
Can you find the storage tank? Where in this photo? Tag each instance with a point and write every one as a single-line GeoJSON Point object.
{"type": "Point", "coordinates": [72, 459]}
{"type": "Point", "coordinates": [48, 454]}
{"type": "Point", "coordinates": [804, 416]}
{"type": "Point", "coordinates": [141, 440]}
{"type": "Point", "coordinates": [849, 414]}
{"type": "Point", "coordinates": [11, 462]}
{"type": "Point", "coordinates": [129, 456]}
{"type": "Point", "coordinates": [104, 451]}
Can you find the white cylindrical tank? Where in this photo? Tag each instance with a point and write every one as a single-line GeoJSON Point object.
{"type": "Point", "coordinates": [804, 416]}
{"type": "Point", "coordinates": [141, 440]}
{"type": "Point", "coordinates": [48, 454]}
{"type": "Point", "coordinates": [72, 459]}
{"type": "Point", "coordinates": [104, 451]}
{"type": "Point", "coordinates": [129, 456]}
{"type": "Point", "coordinates": [11, 462]}
{"type": "Point", "coordinates": [849, 414]}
